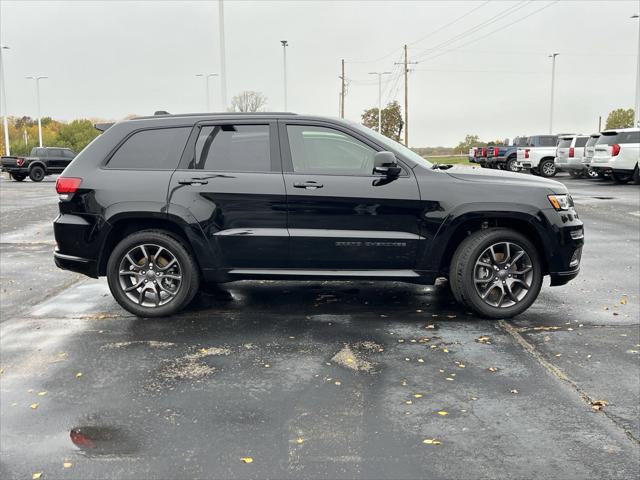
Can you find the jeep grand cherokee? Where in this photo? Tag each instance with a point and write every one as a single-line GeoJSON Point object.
{"type": "Point", "coordinates": [160, 204]}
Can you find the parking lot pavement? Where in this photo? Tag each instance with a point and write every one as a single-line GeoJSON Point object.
{"type": "Point", "coordinates": [323, 379]}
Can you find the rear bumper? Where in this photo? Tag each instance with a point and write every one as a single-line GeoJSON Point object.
{"type": "Point", "coordinates": [12, 170]}
{"type": "Point", "coordinates": [569, 163]}
{"type": "Point", "coordinates": [85, 266]}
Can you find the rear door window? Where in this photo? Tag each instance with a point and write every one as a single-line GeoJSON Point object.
{"type": "Point", "coordinates": [158, 149]}
{"type": "Point", "coordinates": [233, 148]}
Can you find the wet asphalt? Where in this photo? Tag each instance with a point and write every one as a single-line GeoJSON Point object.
{"type": "Point", "coordinates": [319, 379]}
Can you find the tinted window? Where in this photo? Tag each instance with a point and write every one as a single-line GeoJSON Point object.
{"type": "Point", "coordinates": [68, 154]}
{"type": "Point", "coordinates": [592, 141]}
{"type": "Point", "coordinates": [547, 141]}
{"type": "Point", "coordinates": [581, 141]}
{"type": "Point", "coordinates": [151, 149]}
{"type": "Point", "coordinates": [41, 152]}
{"type": "Point", "coordinates": [55, 152]}
{"type": "Point", "coordinates": [629, 137]}
{"type": "Point", "coordinates": [565, 143]}
{"type": "Point", "coordinates": [521, 142]}
{"type": "Point", "coordinates": [324, 150]}
{"type": "Point", "coordinates": [233, 148]}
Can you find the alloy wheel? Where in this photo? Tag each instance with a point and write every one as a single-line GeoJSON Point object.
{"type": "Point", "coordinates": [503, 274]}
{"type": "Point", "coordinates": [150, 275]}
{"type": "Point", "coordinates": [549, 169]}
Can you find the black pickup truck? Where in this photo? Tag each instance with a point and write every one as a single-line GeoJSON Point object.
{"type": "Point", "coordinates": [42, 161]}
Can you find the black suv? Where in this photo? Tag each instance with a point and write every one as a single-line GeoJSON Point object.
{"type": "Point", "coordinates": [160, 204]}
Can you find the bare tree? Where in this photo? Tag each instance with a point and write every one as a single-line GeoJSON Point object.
{"type": "Point", "coordinates": [248, 101]}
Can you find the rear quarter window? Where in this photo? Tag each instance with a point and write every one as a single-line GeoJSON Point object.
{"type": "Point", "coordinates": [158, 149]}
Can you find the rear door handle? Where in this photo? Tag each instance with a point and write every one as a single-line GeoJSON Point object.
{"type": "Point", "coordinates": [192, 181]}
{"type": "Point", "coordinates": [310, 185]}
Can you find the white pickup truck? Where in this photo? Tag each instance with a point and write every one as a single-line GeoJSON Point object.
{"type": "Point", "coordinates": [538, 155]}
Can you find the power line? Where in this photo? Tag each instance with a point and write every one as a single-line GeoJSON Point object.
{"type": "Point", "coordinates": [499, 16]}
{"type": "Point", "coordinates": [501, 28]}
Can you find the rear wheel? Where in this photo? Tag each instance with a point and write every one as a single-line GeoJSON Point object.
{"type": "Point", "coordinates": [18, 177]}
{"type": "Point", "coordinates": [621, 178]}
{"type": "Point", "coordinates": [547, 168]}
{"type": "Point", "coordinates": [512, 165]}
{"type": "Point", "coordinates": [591, 173]}
{"type": "Point", "coordinates": [152, 274]}
{"type": "Point", "coordinates": [36, 174]}
{"type": "Point", "coordinates": [575, 174]}
{"type": "Point", "coordinates": [496, 272]}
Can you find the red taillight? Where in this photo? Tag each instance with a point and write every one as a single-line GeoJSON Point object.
{"type": "Point", "coordinates": [615, 149]}
{"type": "Point", "coordinates": [67, 184]}
{"type": "Point", "coordinates": [526, 153]}
{"type": "Point", "coordinates": [571, 152]}
{"type": "Point", "coordinates": [484, 152]}
{"type": "Point", "coordinates": [495, 151]}
{"type": "Point", "coordinates": [19, 162]}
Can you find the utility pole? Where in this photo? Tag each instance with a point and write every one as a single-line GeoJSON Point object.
{"type": "Point", "coordinates": [406, 64]}
{"type": "Point", "coordinates": [206, 77]}
{"type": "Point", "coordinates": [553, 79]}
{"type": "Point", "coordinates": [599, 123]}
{"type": "Point", "coordinates": [379, 74]}
{"type": "Point", "coordinates": [285, 44]}
{"type": "Point", "coordinates": [37, 78]}
{"type": "Point", "coordinates": [342, 92]}
{"type": "Point", "coordinates": [223, 56]}
{"type": "Point", "coordinates": [637, 104]}
{"type": "Point", "coordinates": [5, 123]}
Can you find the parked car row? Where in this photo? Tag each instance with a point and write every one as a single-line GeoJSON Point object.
{"type": "Point", "coordinates": [612, 153]}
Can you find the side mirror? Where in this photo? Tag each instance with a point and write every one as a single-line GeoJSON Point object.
{"type": "Point", "coordinates": [385, 163]}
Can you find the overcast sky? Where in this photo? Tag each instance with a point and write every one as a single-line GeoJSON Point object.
{"type": "Point", "coordinates": [108, 59]}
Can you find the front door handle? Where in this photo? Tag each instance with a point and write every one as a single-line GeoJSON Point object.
{"type": "Point", "coordinates": [310, 185]}
{"type": "Point", "coordinates": [192, 181]}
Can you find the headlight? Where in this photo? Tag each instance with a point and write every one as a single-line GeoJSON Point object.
{"type": "Point", "coordinates": [561, 202]}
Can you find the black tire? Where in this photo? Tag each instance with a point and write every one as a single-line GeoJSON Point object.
{"type": "Point", "coordinates": [18, 177]}
{"type": "Point", "coordinates": [462, 271]}
{"type": "Point", "coordinates": [190, 275]}
{"type": "Point", "coordinates": [636, 176]}
{"type": "Point", "coordinates": [547, 168]}
{"type": "Point", "coordinates": [512, 164]}
{"type": "Point", "coordinates": [591, 173]}
{"type": "Point", "coordinates": [36, 174]}
{"type": "Point", "coordinates": [621, 178]}
{"type": "Point", "coordinates": [575, 174]}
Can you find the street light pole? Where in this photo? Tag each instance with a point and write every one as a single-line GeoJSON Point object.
{"type": "Point", "coordinates": [5, 123]}
{"type": "Point", "coordinates": [637, 104]}
{"type": "Point", "coordinates": [553, 79]}
{"type": "Point", "coordinates": [379, 74]}
{"type": "Point", "coordinates": [37, 79]}
{"type": "Point", "coordinates": [285, 44]}
{"type": "Point", "coordinates": [206, 77]}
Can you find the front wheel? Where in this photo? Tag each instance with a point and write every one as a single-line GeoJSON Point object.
{"type": "Point", "coordinates": [547, 168]}
{"type": "Point", "coordinates": [36, 174]}
{"type": "Point", "coordinates": [496, 272]}
{"type": "Point", "coordinates": [152, 274]}
{"type": "Point", "coordinates": [620, 178]}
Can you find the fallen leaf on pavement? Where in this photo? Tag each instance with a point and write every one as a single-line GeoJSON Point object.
{"type": "Point", "coordinates": [36, 475]}
{"type": "Point", "coordinates": [247, 459]}
{"type": "Point", "coordinates": [493, 369]}
{"type": "Point", "coordinates": [443, 413]}
{"type": "Point", "coordinates": [484, 339]}
{"type": "Point", "coordinates": [623, 300]}
{"type": "Point", "coordinates": [420, 360]}
{"type": "Point", "coordinates": [67, 464]}
{"type": "Point", "coordinates": [338, 382]}
{"type": "Point", "coordinates": [431, 441]}
{"type": "Point", "coordinates": [34, 406]}
{"type": "Point", "coordinates": [598, 405]}
{"type": "Point", "coordinates": [78, 375]}
{"type": "Point", "coordinates": [299, 440]}
{"type": "Point", "coordinates": [449, 379]}
{"type": "Point", "coordinates": [42, 394]}
{"type": "Point", "coordinates": [430, 327]}
{"type": "Point", "coordinates": [417, 395]}
{"type": "Point", "coordinates": [514, 391]}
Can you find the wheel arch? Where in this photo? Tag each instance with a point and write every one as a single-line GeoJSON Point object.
{"type": "Point", "coordinates": [445, 244]}
{"type": "Point", "coordinates": [38, 163]}
{"type": "Point", "coordinates": [123, 225]}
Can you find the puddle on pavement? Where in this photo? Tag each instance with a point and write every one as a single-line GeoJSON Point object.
{"type": "Point", "coordinates": [103, 440]}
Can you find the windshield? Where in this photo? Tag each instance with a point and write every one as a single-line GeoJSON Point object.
{"type": "Point", "coordinates": [393, 146]}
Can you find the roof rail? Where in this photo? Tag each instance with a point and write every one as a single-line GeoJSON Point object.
{"type": "Point", "coordinates": [102, 126]}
